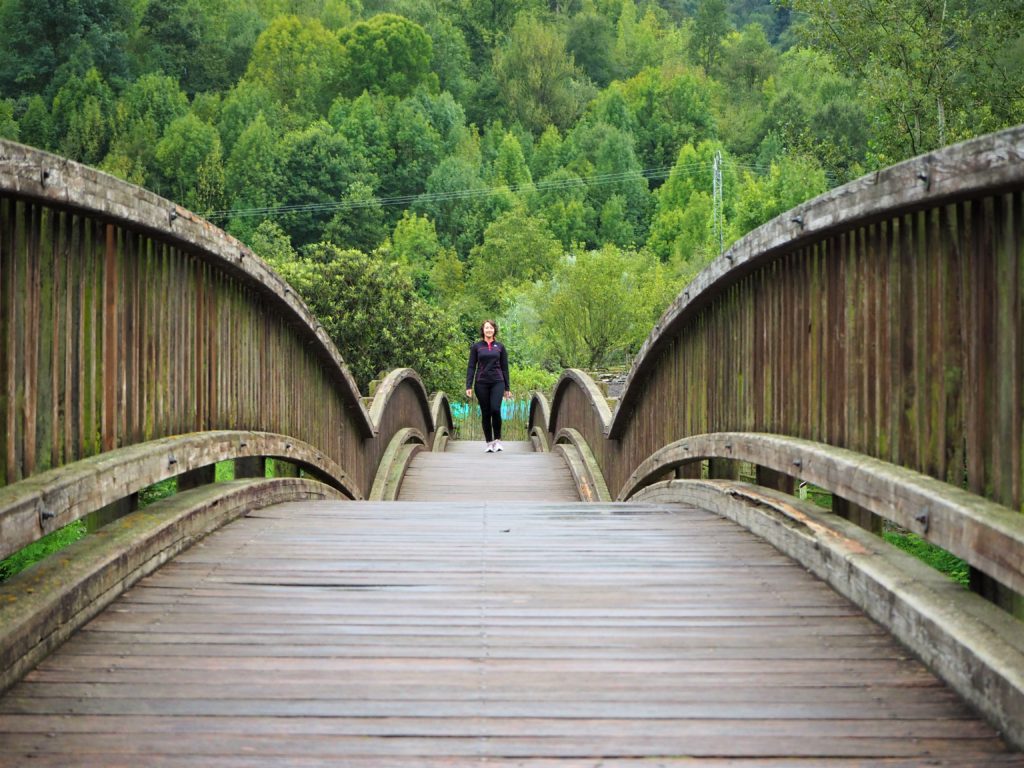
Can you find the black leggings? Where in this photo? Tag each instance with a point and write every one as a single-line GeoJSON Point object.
{"type": "Point", "coordinates": [489, 395]}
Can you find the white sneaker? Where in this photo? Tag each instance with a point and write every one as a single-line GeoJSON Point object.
{"type": "Point", "coordinates": [497, 445]}
{"type": "Point", "coordinates": [490, 447]}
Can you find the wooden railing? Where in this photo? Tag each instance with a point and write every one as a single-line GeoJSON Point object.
{"type": "Point", "coordinates": [870, 341]}
{"type": "Point", "coordinates": [126, 323]}
{"type": "Point", "coordinates": [885, 317]}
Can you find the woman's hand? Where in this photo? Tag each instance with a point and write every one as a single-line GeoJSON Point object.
{"type": "Point", "coordinates": [508, 394]}
{"type": "Point", "coordinates": [469, 394]}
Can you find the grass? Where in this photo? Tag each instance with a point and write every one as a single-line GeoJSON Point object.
{"type": "Point", "coordinates": [36, 551]}
{"type": "Point", "coordinates": [936, 557]}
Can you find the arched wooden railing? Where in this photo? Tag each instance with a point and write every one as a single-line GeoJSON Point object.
{"type": "Point", "coordinates": [870, 341]}
{"type": "Point", "coordinates": [138, 343]}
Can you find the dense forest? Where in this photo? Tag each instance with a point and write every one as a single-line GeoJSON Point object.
{"type": "Point", "coordinates": [413, 166]}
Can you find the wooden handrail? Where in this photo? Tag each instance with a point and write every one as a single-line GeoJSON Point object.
{"type": "Point", "coordinates": [883, 318]}
{"type": "Point", "coordinates": [125, 319]}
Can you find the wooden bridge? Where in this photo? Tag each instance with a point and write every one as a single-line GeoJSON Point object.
{"type": "Point", "coordinates": [609, 593]}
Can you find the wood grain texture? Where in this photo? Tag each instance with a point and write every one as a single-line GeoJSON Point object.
{"type": "Point", "coordinates": [466, 472]}
{"type": "Point", "coordinates": [498, 632]}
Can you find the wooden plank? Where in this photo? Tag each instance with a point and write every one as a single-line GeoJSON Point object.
{"type": "Point", "coordinates": [369, 633]}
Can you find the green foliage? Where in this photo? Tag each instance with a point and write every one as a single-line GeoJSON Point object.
{"type": "Point", "coordinates": [251, 174]}
{"type": "Point", "coordinates": [517, 249]}
{"type": "Point", "coordinates": [709, 28]}
{"type": "Point", "coordinates": [536, 77]}
{"type": "Point", "coordinates": [369, 308]}
{"type": "Point", "coordinates": [301, 64]}
{"type": "Point", "coordinates": [791, 181]}
{"type": "Point", "coordinates": [36, 127]}
{"type": "Point", "coordinates": [918, 66]}
{"type": "Point", "coordinates": [590, 40]}
{"type": "Point", "coordinates": [8, 125]}
{"type": "Point", "coordinates": [316, 168]}
{"type": "Point", "coordinates": [81, 113]}
{"type": "Point", "coordinates": [47, 43]}
{"type": "Point", "coordinates": [598, 307]}
{"type": "Point", "coordinates": [33, 553]}
{"type": "Point", "coordinates": [387, 53]}
{"type": "Point", "coordinates": [471, 144]}
{"type": "Point", "coordinates": [934, 556]}
{"type": "Point", "coordinates": [189, 157]}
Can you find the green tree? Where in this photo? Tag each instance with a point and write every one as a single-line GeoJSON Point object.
{"type": "Point", "coordinates": [668, 107]}
{"type": "Point", "coordinates": [536, 77]}
{"type": "Point", "coordinates": [369, 308]}
{"type": "Point", "coordinates": [591, 41]}
{"type": "Point", "coordinates": [790, 181]}
{"type": "Point", "coordinates": [561, 199]}
{"type": "Point", "coordinates": [604, 156]}
{"type": "Point", "coordinates": [46, 43]}
{"type": "Point", "coordinates": [8, 125]}
{"type": "Point", "coordinates": [251, 176]}
{"type": "Point", "coordinates": [300, 62]}
{"type": "Point", "coordinates": [710, 26]}
{"type": "Point", "coordinates": [190, 160]}
{"type": "Point", "coordinates": [547, 155]}
{"type": "Point", "coordinates": [682, 229]}
{"type": "Point", "coordinates": [812, 108]}
{"type": "Point", "coordinates": [36, 126]}
{"type": "Point", "coordinates": [746, 62]}
{"type": "Point", "coordinates": [598, 306]}
{"type": "Point", "coordinates": [455, 199]}
{"type": "Point", "coordinates": [82, 110]}
{"type": "Point", "coordinates": [516, 250]}
{"type": "Point", "coordinates": [414, 244]}
{"type": "Point", "coordinates": [916, 61]}
{"type": "Point", "coordinates": [386, 53]}
{"type": "Point", "coordinates": [170, 37]}
{"type": "Point", "coordinates": [360, 222]}
{"type": "Point", "coordinates": [317, 168]}
{"type": "Point", "coordinates": [509, 167]}
{"type": "Point", "coordinates": [638, 42]}
{"type": "Point", "coordinates": [141, 115]}
{"type": "Point", "coordinates": [240, 107]}
{"type": "Point", "coordinates": [271, 243]}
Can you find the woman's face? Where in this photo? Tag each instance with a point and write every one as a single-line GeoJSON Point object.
{"type": "Point", "coordinates": [488, 331]}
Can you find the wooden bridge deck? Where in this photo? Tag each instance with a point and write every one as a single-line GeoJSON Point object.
{"type": "Point", "coordinates": [485, 632]}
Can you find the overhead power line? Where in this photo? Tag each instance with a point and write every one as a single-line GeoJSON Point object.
{"type": "Point", "coordinates": [461, 194]}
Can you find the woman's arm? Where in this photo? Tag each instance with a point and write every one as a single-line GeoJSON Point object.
{"type": "Point", "coordinates": [471, 370]}
{"type": "Point", "coordinates": [504, 369]}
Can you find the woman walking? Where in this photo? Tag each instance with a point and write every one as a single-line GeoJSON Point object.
{"type": "Point", "coordinates": [487, 374]}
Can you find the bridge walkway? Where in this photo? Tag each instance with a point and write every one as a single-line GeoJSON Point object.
{"type": "Point", "coordinates": [498, 632]}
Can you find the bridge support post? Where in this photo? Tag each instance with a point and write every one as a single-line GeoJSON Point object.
{"type": "Point", "coordinates": [778, 481]}
{"type": "Point", "coordinates": [197, 477]}
{"type": "Point", "coordinates": [982, 584]}
{"type": "Point", "coordinates": [723, 469]}
{"type": "Point", "coordinates": [108, 514]}
{"type": "Point", "coordinates": [857, 515]}
{"type": "Point", "coordinates": [252, 466]}
{"type": "Point", "coordinates": [284, 468]}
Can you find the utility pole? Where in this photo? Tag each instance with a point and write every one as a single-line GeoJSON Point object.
{"type": "Point", "coordinates": [716, 205]}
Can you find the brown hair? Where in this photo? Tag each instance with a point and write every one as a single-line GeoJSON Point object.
{"type": "Point", "coordinates": [485, 322]}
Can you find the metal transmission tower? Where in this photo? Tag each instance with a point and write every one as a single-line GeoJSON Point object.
{"type": "Point", "coordinates": [716, 206]}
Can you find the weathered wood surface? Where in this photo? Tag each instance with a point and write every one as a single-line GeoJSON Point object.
{"type": "Point", "coordinates": [885, 317]}
{"type": "Point", "coordinates": [503, 633]}
{"type": "Point", "coordinates": [986, 535]}
{"type": "Point", "coordinates": [465, 471]}
{"type": "Point", "coordinates": [125, 318]}
{"type": "Point", "coordinates": [44, 605]}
